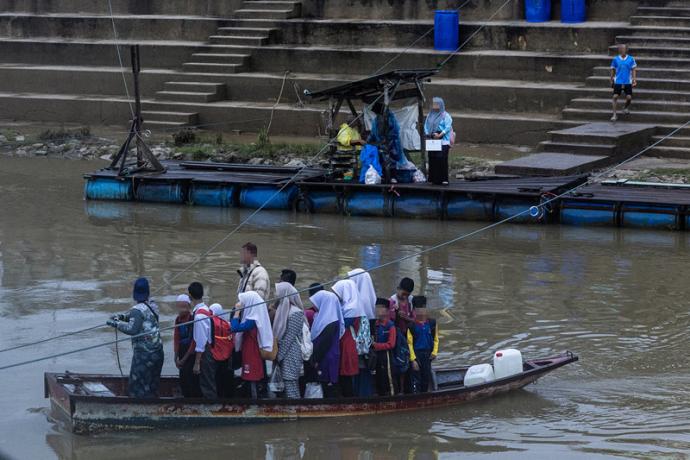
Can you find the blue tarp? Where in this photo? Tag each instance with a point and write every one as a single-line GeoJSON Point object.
{"type": "Point", "coordinates": [369, 156]}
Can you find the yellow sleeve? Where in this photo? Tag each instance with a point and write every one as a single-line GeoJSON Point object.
{"type": "Point", "coordinates": [345, 136]}
{"type": "Point", "coordinates": [434, 352]}
{"type": "Point", "coordinates": [410, 344]}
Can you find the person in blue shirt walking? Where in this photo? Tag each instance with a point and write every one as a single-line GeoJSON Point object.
{"type": "Point", "coordinates": [623, 79]}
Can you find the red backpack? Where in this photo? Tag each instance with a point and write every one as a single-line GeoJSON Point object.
{"type": "Point", "coordinates": [222, 341]}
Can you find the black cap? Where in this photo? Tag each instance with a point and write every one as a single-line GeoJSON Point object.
{"type": "Point", "coordinates": [419, 301]}
{"type": "Point", "coordinates": [381, 302]}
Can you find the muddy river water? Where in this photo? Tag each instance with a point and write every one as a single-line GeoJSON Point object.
{"type": "Point", "coordinates": [618, 298]}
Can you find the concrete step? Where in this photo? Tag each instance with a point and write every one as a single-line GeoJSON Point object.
{"type": "Point", "coordinates": [186, 118]}
{"type": "Point", "coordinates": [165, 126]}
{"type": "Point", "coordinates": [646, 83]}
{"type": "Point", "coordinates": [123, 7]}
{"type": "Point", "coordinates": [669, 152]}
{"type": "Point", "coordinates": [655, 50]}
{"type": "Point", "coordinates": [668, 21]}
{"type": "Point", "coordinates": [129, 27]}
{"type": "Point", "coordinates": [673, 11]}
{"type": "Point", "coordinates": [656, 118]}
{"type": "Point", "coordinates": [224, 58]}
{"type": "Point", "coordinates": [263, 32]}
{"type": "Point", "coordinates": [642, 105]}
{"type": "Point", "coordinates": [238, 40]}
{"type": "Point", "coordinates": [272, 5]}
{"type": "Point", "coordinates": [188, 96]}
{"type": "Point", "coordinates": [206, 87]}
{"type": "Point", "coordinates": [576, 148]}
{"type": "Point", "coordinates": [660, 31]}
{"type": "Point", "coordinates": [552, 164]}
{"type": "Point", "coordinates": [654, 40]}
{"type": "Point", "coordinates": [649, 72]}
{"type": "Point", "coordinates": [216, 68]}
{"type": "Point", "coordinates": [246, 13]}
{"type": "Point", "coordinates": [675, 141]}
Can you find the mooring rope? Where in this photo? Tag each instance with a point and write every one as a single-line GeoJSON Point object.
{"type": "Point", "coordinates": [395, 261]}
{"type": "Point", "coordinates": [411, 45]}
{"type": "Point", "coordinates": [380, 266]}
{"type": "Point", "coordinates": [119, 57]}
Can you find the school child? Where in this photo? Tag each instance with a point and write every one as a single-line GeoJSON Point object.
{"type": "Point", "coordinates": [384, 343]}
{"type": "Point", "coordinates": [401, 309]}
{"type": "Point", "coordinates": [253, 334]}
{"type": "Point", "coordinates": [183, 345]}
{"type": "Point", "coordinates": [422, 338]}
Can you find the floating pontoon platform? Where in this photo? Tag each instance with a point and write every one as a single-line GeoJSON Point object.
{"type": "Point", "coordinates": [308, 189]}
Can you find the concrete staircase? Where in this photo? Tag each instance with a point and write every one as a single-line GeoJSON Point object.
{"type": "Point", "coordinates": [229, 52]}
{"type": "Point", "coordinates": [581, 149]}
{"type": "Point", "coordinates": [659, 38]}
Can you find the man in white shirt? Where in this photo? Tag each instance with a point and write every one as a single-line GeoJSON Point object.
{"type": "Point", "coordinates": [204, 364]}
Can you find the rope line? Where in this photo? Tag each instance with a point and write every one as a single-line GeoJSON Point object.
{"type": "Point", "coordinates": [378, 267]}
{"type": "Point", "coordinates": [119, 57]}
{"type": "Point", "coordinates": [395, 261]}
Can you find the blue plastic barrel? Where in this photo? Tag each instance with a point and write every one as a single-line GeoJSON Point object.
{"type": "Point", "coordinates": [446, 30]}
{"type": "Point", "coordinates": [573, 11]}
{"type": "Point", "coordinates": [268, 197]}
{"type": "Point", "coordinates": [538, 10]}
{"type": "Point", "coordinates": [99, 188]}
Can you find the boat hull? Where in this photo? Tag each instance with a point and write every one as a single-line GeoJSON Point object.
{"type": "Point", "coordinates": [88, 413]}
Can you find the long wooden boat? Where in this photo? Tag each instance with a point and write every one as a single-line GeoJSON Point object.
{"type": "Point", "coordinates": [88, 403]}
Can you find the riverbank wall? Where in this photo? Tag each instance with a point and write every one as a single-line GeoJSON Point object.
{"type": "Point", "coordinates": [221, 65]}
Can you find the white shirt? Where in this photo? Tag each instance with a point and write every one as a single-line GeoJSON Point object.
{"type": "Point", "coordinates": [202, 329]}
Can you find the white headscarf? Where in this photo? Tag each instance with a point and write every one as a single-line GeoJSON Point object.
{"type": "Point", "coordinates": [184, 298]}
{"type": "Point", "coordinates": [217, 310]}
{"type": "Point", "coordinates": [289, 303]}
{"type": "Point", "coordinates": [254, 307]}
{"type": "Point", "coordinates": [328, 311]}
{"type": "Point", "coordinates": [349, 296]}
{"type": "Point", "coordinates": [367, 293]}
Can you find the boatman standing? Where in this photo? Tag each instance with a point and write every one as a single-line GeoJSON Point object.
{"type": "Point", "coordinates": [253, 276]}
{"type": "Point", "coordinates": [623, 79]}
{"type": "Point", "coordinates": [141, 322]}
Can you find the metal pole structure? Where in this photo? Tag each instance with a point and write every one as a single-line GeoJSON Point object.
{"type": "Point", "coordinates": [420, 128]}
{"type": "Point", "coordinates": [136, 67]}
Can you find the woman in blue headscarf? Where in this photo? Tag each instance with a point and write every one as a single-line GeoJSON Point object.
{"type": "Point", "coordinates": [141, 322]}
{"type": "Point", "coordinates": [385, 127]}
{"type": "Point", "coordinates": [439, 126]}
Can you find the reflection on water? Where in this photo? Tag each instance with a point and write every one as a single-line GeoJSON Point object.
{"type": "Point", "coordinates": [616, 297]}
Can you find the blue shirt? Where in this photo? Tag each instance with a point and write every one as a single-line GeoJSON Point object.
{"type": "Point", "coordinates": [446, 128]}
{"type": "Point", "coordinates": [623, 68]}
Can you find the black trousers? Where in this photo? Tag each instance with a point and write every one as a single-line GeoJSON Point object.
{"type": "Point", "coordinates": [421, 379]}
{"type": "Point", "coordinates": [386, 380]}
{"type": "Point", "coordinates": [209, 368]}
{"type": "Point", "coordinates": [189, 381]}
{"type": "Point", "coordinates": [438, 165]}
{"type": "Point", "coordinates": [225, 379]}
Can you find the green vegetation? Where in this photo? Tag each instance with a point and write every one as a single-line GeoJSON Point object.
{"type": "Point", "coordinates": [62, 134]}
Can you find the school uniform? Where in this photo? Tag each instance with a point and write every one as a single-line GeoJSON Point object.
{"type": "Point", "coordinates": [397, 306]}
{"type": "Point", "coordinates": [202, 341]}
{"type": "Point", "coordinates": [253, 333]}
{"type": "Point", "coordinates": [422, 339]}
{"type": "Point", "coordinates": [384, 343]}
{"type": "Point", "coordinates": [183, 340]}
{"type": "Point", "coordinates": [328, 328]}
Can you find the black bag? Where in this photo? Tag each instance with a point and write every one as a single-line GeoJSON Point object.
{"type": "Point", "coordinates": [371, 360]}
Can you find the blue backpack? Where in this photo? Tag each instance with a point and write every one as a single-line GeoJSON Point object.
{"type": "Point", "coordinates": [401, 353]}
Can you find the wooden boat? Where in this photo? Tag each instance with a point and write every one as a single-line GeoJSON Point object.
{"type": "Point", "coordinates": [88, 403]}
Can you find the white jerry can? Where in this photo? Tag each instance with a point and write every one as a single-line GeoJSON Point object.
{"type": "Point", "coordinates": [476, 375]}
{"type": "Point", "coordinates": [507, 362]}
